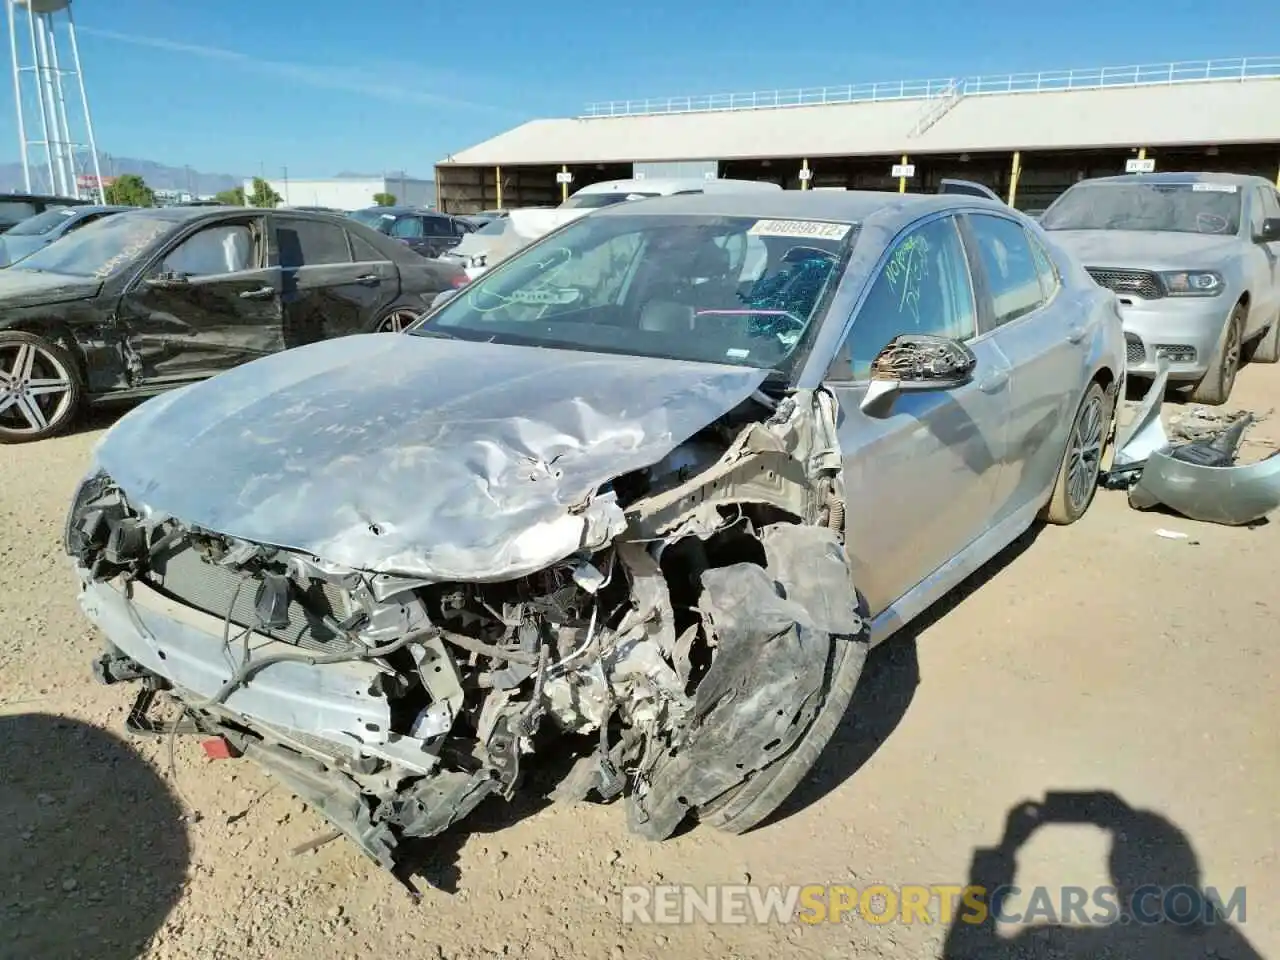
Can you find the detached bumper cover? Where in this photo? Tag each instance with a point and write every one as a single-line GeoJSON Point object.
{"type": "Point", "coordinates": [1200, 479]}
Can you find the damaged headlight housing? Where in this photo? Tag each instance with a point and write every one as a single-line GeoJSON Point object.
{"type": "Point", "coordinates": [1193, 283]}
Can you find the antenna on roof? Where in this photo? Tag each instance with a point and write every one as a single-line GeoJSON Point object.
{"type": "Point", "coordinates": [43, 80]}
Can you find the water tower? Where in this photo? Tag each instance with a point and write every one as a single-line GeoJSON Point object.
{"type": "Point", "coordinates": [53, 158]}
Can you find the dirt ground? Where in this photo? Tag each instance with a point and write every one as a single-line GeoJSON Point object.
{"type": "Point", "coordinates": [1100, 657]}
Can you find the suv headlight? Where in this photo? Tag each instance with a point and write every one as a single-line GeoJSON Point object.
{"type": "Point", "coordinates": [1193, 283]}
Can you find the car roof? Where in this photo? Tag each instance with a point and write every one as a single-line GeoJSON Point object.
{"type": "Point", "coordinates": [852, 206]}
{"type": "Point", "coordinates": [1238, 179]}
{"type": "Point", "coordinates": [41, 196]}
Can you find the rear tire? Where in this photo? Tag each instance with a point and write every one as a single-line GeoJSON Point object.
{"type": "Point", "coordinates": [746, 805]}
{"type": "Point", "coordinates": [396, 319]}
{"type": "Point", "coordinates": [1077, 481]}
{"type": "Point", "coordinates": [1214, 388]}
{"type": "Point", "coordinates": [40, 388]}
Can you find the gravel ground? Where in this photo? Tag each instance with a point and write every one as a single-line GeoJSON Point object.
{"type": "Point", "coordinates": [1096, 657]}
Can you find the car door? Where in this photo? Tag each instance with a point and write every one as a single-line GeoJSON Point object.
{"type": "Point", "coordinates": [327, 290]}
{"type": "Point", "coordinates": [919, 481]}
{"type": "Point", "coordinates": [1267, 205]}
{"type": "Point", "coordinates": [207, 302]}
{"type": "Point", "coordinates": [1044, 335]}
{"type": "Point", "coordinates": [439, 234]}
{"type": "Point", "coordinates": [412, 232]}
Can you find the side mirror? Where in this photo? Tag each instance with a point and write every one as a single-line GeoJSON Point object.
{"type": "Point", "coordinates": [1270, 231]}
{"type": "Point", "coordinates": [443, 296]}
{"type": "Point", "coordinates": [915, 362]}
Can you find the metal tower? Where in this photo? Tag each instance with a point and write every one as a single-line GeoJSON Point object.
{"type": "Point", "coordinates": [41, 82]}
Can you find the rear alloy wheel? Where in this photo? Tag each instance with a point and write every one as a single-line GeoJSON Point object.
{"type": "Point", "coordinates": [1215, 388]}
{"type": "Point", "coordinates": [39, 388]}
{"type": "Point", "coordinates": [1082, 460]}
{"type": "Point", "coordinates": [397, 320]}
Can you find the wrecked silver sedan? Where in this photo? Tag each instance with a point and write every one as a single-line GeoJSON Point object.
{"type": "Point", "coordinates": [641, 496]}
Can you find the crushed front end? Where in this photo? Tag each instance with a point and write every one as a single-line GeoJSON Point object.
{"type": "Point", "coordinates": [675, 660]}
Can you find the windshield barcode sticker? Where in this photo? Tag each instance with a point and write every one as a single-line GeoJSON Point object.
{"type": "Point", "coordinates": [808, 229]}
{"type": "Point", "coordinates": [1214, 187]}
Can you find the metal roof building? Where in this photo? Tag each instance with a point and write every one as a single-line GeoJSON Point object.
{"type": "Point", "coordinates": [1045, 130]}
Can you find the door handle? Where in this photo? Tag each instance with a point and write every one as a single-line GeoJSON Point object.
{"type": "Point", "coordinates": [993, 382]}
{"type": "Point", "coordinates": [1076, 333]}
{"type": "Point", "coordinates": [369, 280]}
{"type": "Point", "coordinates": [262, 293]}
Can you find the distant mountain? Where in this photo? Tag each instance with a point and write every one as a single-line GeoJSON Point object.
{"type": "Point", "coordinates": [159, 176]}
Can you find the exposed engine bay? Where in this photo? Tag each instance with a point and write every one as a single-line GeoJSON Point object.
{"type": "Point", "coordinates": [681, 660]}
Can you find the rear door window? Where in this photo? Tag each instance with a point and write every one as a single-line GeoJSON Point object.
{"type": "Point", "coordinates": [364, 251]}
{"type": "Point", "coordinates": [310, 243]}
{"type": "Point", "coordinates": [1010, 267]}
{"type": "Point", "coordinates": [407, 228]}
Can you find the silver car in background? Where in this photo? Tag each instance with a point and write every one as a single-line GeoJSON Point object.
{"type": "Point", "coordinates": [25, 238]}
{"type": "Point", "coordinates": [659, 479]}
{"type": "Point", "coordinates": [1194, 260]}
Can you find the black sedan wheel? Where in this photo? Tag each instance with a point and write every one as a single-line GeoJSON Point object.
{"type": "Point", "coordinates": [39, 388]}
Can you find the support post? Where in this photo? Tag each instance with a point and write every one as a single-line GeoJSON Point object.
{"type": "Point", "coordinates": [804, 165]}
{"type": "Point", "coordinates": [1014, 173]}
{"type": "Point", "coordinates": [17, 93]}
{"type": "Point", "coordinates": [497, 173]}
{"type": "Point", "coordinates": [902, 181]}
{"type": "Point", "coordinates": [564, 185]}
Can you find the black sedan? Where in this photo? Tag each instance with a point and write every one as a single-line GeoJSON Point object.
{"type": "Point", "coordinates": [153, 299]}
{"type": "Point", "coordinates": [423, 231]}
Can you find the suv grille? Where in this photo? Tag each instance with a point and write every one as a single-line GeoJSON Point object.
{"type": "Point", "coordinates": [184, 575]}
{"type": "Point", "coordinates": [1141, 283]}
{"type": "Point", "coordinates": [1134, 351]}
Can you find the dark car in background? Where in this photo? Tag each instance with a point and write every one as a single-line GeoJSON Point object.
{"type": "Point", "coordinates": [44, 228]}
{"type": "Point", "coordinates": [423, 231]}
{"type": "Point", "coordinates": [147, 300]}
{"type": "Point", "coordinates": [16, 207]}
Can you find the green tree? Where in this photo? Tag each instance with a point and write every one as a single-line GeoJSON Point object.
{"type": "Point", "coordinates": [263, 195]}
{"type": "Point", "coordinates": [130, 190]}
{"type": "Point", "coordinates": [232, 198]}
{"type": "Point", "coordinates": [384, 199]}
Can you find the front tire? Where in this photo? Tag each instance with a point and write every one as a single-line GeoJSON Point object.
{"type": "Point", "coordinates": [1077, 481]}
{"type": "Point", "coordinates": [746, 805]}
{"type": "Point", "coordinates": [1266, 349]}
{"type": "Point", "coordinates": [1214, 388]}
{"type": "Point", "coordinates": [40, 388]}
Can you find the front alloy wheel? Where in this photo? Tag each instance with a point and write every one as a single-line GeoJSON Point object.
{"type": "Point", "coordinates": [39, 388]}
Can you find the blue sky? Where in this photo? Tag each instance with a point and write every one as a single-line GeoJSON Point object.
{"type": "Point", "coordinates": [240, 86]}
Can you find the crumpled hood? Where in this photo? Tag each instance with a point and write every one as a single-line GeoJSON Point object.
{"type": "Point", "coordinates": [1147, 250]}
{"type": "Point", "coordinates": [416, 456]}
{"type": "Point", "coordinates": [26, 288]}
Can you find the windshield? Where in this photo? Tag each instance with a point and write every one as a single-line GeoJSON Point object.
{"type": "Point", "coordinates": [379, 220]}
{"type": "Point", "coordinates": [99, 249]}
{"type": "Point", "coordinates": [493, 228]}
{"type": "Point", "coordinates": [592, 200]}
{"type": "Point", "coordinates": [1150, 206]}
{"type": "Point", "coordinates": [40, 224]}
{"type": "Point", "coordinates": [734, 290]}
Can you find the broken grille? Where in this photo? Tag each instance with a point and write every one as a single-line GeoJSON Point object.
{"type": "Point", "coordinates": [1140, 283]}
{"type": "Point", "coordinates": [184, 575]}
{"type": "Point", "coordinates": [1134, 351]}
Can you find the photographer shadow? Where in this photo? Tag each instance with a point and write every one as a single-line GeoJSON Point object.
{"type": "Point", "coordinates": [93, 851]}
{"type": "Point", "coordinates": [1158, 910]}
